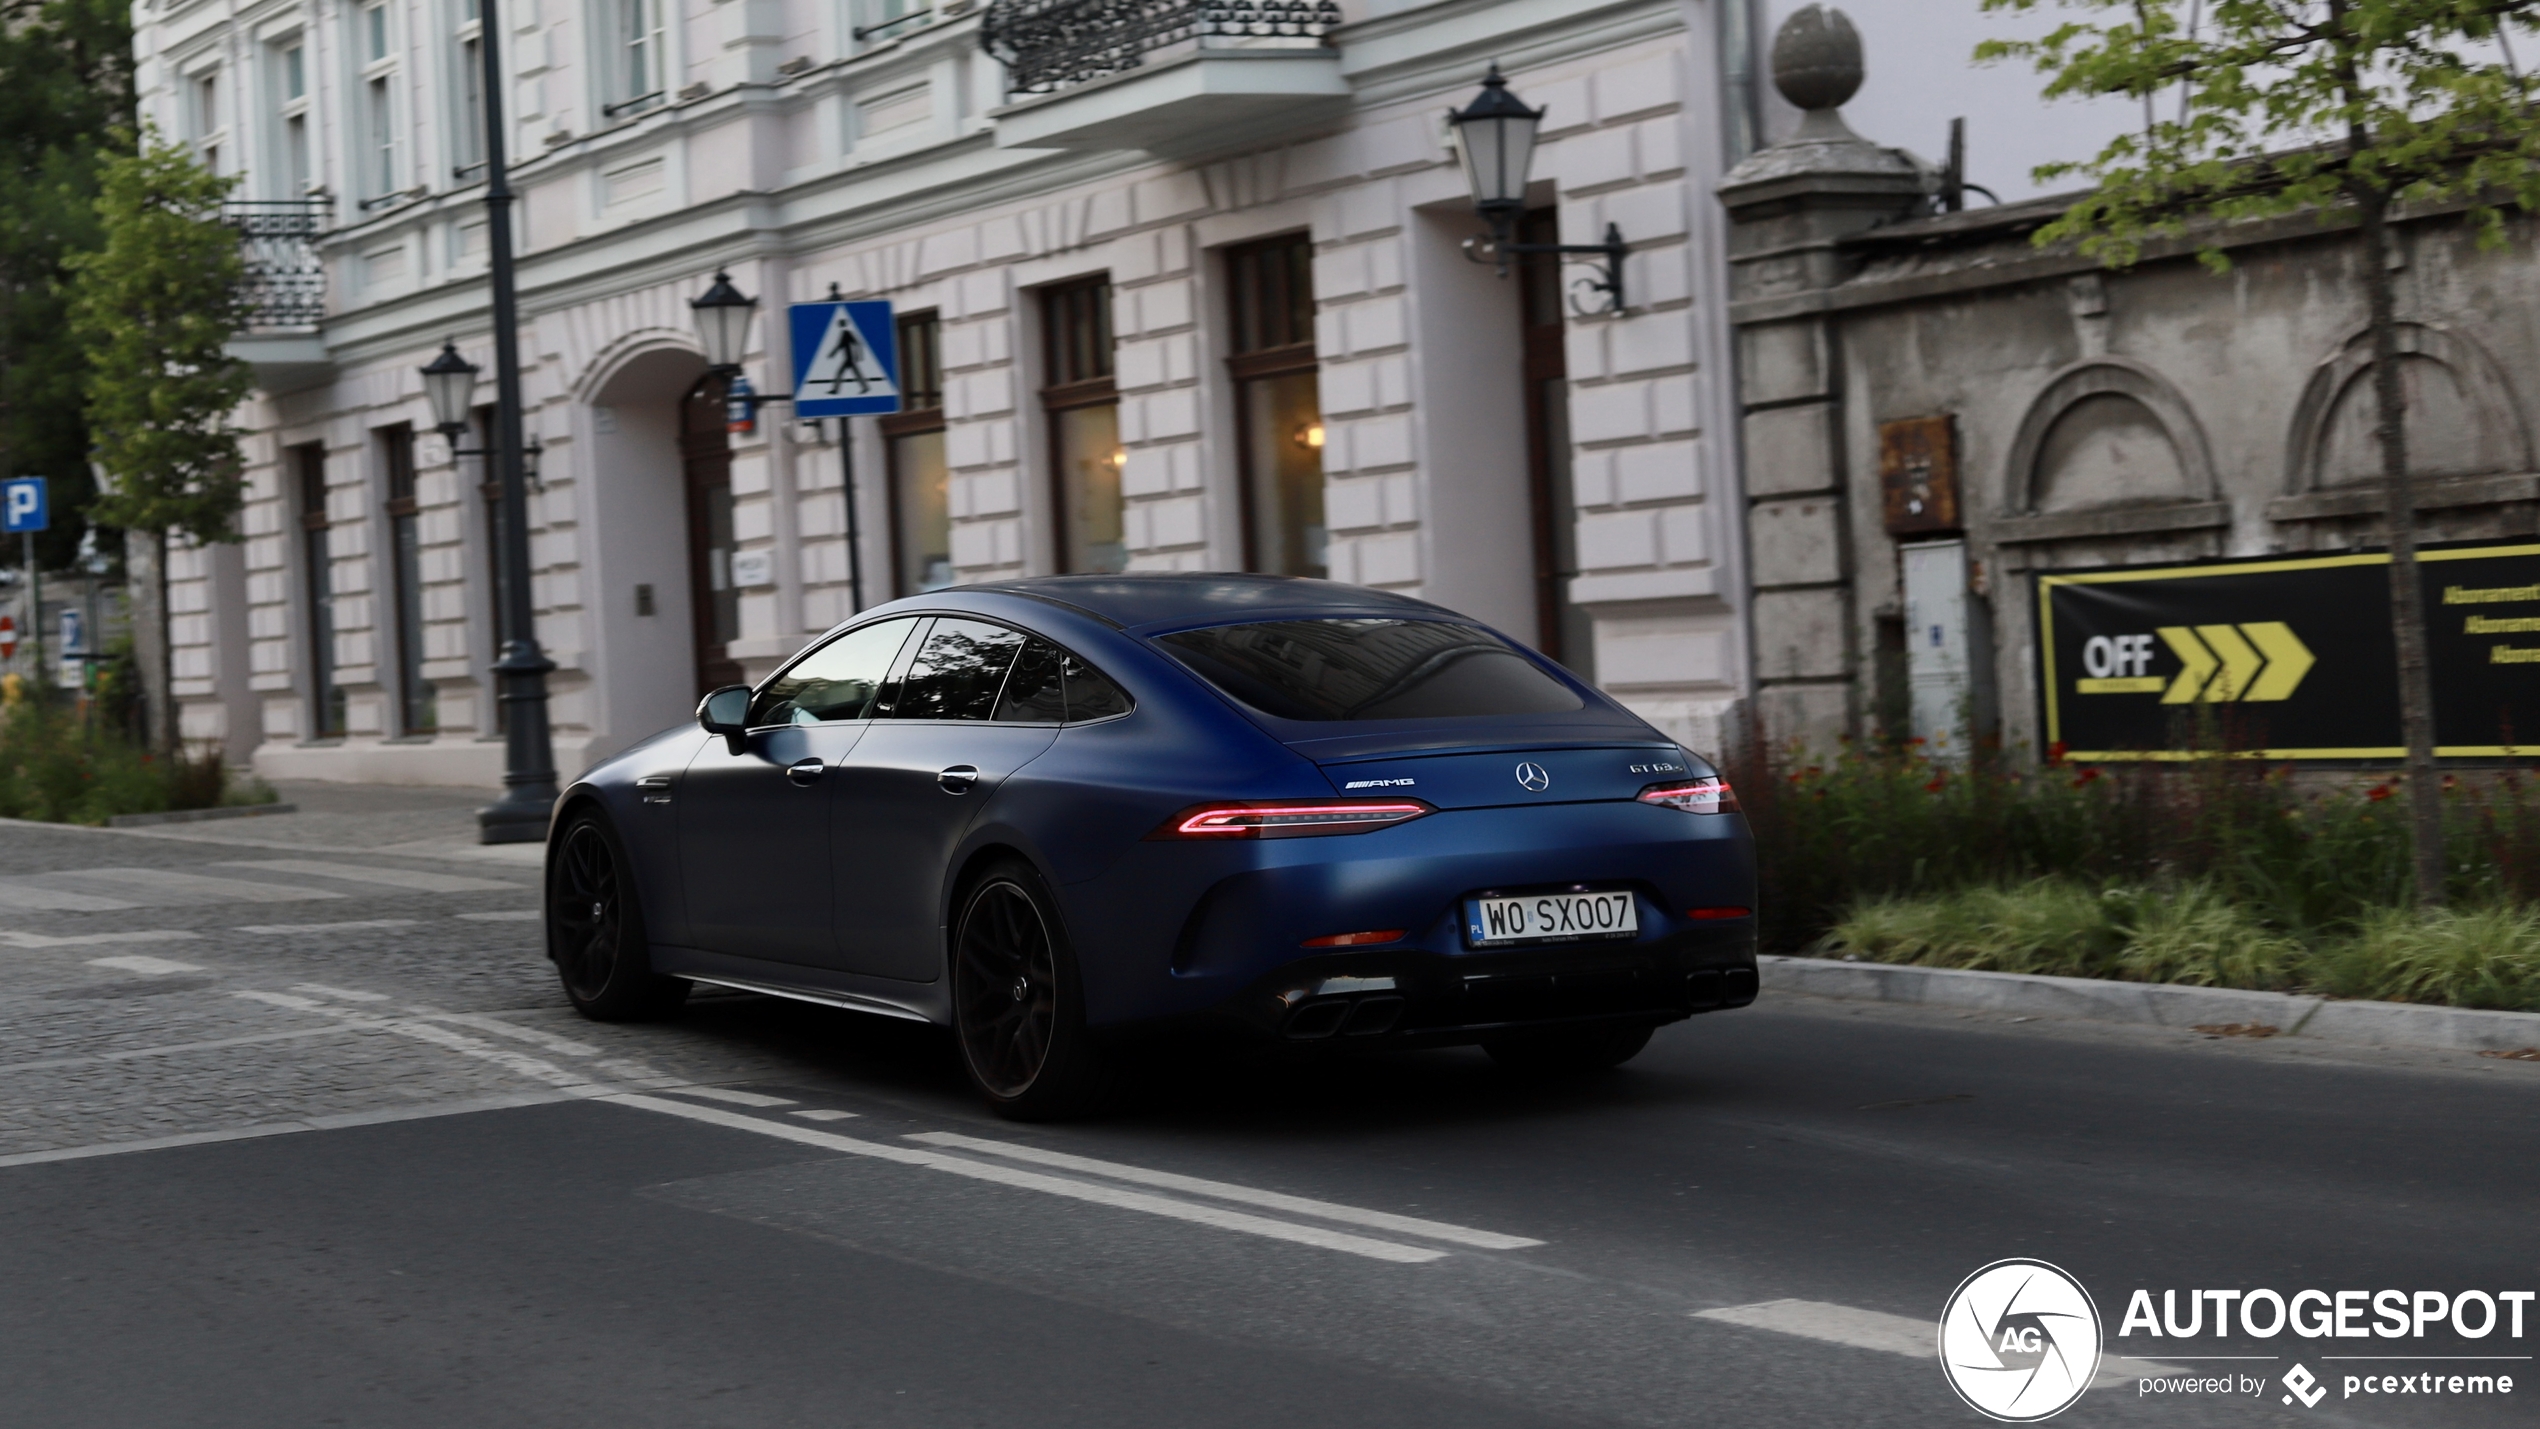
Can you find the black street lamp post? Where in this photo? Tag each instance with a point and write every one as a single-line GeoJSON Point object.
{"type": "Point", "coordinates": [1495, 135]}
{"type": "Point", "coordinates": [529, 756]}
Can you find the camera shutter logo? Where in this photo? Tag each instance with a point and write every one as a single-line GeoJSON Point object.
{"type": "Point", "coordinates": [2019, 1341]}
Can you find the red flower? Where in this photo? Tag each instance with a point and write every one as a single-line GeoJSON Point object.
{"type": "Point", "coordinates": [2055, 752]}
{"type": "Point", "coordinates": [2378, 792]}
{"type": "Point", "coordinates": [1934, 786]}
{"type": "Point", "coordinates": [1917, 739]}
{"type": "Point", "coordinates": [2088, 775]}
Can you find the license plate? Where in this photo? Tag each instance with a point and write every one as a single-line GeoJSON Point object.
{"type": "Point", "coordinates": [1550, 918]}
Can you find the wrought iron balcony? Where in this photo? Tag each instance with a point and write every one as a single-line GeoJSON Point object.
{"type": "Point", "coordinates": [1050, 45]}
{"type": "Point", "coordinates": [285, 281]}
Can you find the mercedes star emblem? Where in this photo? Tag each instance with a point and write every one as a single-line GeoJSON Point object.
{"type": "Point", "coordinates": [1532, 776]}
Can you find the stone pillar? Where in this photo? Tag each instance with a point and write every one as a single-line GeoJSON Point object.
{"type": "Point", "coordinates": [1791, 205]}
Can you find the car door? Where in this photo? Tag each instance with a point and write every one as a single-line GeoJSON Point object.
{"type": "Point", "coordinates": [915, 784]}
{"type": "Point", "coordinates": [754, 838]}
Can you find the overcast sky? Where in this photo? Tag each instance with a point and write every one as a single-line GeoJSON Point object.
{"type": "Point", "coordinates": [1920, 76]}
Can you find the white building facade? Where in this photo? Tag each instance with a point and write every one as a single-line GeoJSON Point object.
{"type": "Point", "coordinates": [1168, 299]}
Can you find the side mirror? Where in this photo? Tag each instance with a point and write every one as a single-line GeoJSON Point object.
{"type": "Point", "coordinates": [726, 712]}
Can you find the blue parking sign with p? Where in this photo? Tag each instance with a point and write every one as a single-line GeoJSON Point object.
{"type": "Point", "coordinates": [25, 505]}
{"type": "Point", "coordinates": [846, 359]}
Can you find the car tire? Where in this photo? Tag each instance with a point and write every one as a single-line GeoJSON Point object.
{"type": "Point", "coordinates": [1018, 1003]}
{"type": "Point", "coordinates": [1593, 1049]}
{"type": "Point", "coordinates": [595, 927]}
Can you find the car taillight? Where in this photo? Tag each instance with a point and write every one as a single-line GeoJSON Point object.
{"type": "Point", "coordinates": [1288, 818]}
{"type": "Point", "coordinates": [1694, 796]}
{"type": "Point", "coordinates": [1355, 940]}
{"type": "Point", "coordinates": [1707, 915]}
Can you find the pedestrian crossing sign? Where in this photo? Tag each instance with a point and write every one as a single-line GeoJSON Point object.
{"type": "Point", "coordinates": [846, 359]}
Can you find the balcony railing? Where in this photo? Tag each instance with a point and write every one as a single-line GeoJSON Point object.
{"type": "Point", "coordinates": [1049, 45]}
{"type": "Point", "coordinates": [285, 281]}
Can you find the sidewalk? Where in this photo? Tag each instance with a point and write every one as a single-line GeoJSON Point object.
{"type": "Point", "coordinates": [409, 821]}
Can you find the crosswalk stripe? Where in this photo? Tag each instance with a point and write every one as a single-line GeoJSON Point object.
{"type": "Point", "coordinates": [55, 900]}
{"type": "Point", "coordinates": [385, 877]}
{"type": "Point", "coordinates": [168, 886]}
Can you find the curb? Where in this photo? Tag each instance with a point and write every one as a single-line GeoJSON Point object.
{"type": "Point", "coordinates": [196, 816]}
{"type": "Point", "coordinates": [2317, 1019]}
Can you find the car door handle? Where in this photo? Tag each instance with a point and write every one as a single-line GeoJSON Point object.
{"type": "Point", "coordinates": [803, 771]}
{"type": "Point", "coordinates": [959, 779]}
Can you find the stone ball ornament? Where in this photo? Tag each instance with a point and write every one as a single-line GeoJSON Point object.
{"type": "Point", "coordinates": [1817, 58]}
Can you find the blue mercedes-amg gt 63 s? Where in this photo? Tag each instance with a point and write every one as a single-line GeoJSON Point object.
{"type": "Point", "coordinates": [1059, 814]}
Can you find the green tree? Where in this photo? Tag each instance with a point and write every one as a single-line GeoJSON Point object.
{"type": "Point", "coordinates": [2346, 109]}
{"type": "Point", "coordinates": [154, 309]}
{"type": "Point", "coordinates": [65, 108]}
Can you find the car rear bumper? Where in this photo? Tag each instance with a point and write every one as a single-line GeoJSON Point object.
{"type": "Point", "coordinates": [1232, 951]}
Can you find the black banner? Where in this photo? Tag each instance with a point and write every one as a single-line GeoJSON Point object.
{"type": "Point", "coordinates": [2290, 656]}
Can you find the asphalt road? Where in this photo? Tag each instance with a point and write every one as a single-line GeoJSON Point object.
{"type": "Point", "coordinates": [333, 1152]}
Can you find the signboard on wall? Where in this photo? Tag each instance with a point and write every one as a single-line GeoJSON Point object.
{"type": "Point", "coordinates": [846, 359]}
{"type": "Point", "coordinates": [2292, 657]}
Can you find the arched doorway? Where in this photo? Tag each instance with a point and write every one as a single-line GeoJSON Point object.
{"type": "Point", "coordinates": [714, 604]}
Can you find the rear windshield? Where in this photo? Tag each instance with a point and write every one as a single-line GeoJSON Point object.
{"type": "Point", "coordinates": [1369, 669]}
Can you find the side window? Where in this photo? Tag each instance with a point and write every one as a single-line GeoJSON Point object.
{"type": "Point", "coordinates": [1091, 695]}
{"type": "Point", "coordinates": [959, 671]}
{"type": "Point", "coordinates": [1034, 693]}
{"type": "Point", "coordinates": [836, 681]}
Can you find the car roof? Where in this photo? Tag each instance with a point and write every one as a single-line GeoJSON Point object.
{"type": "Point", "coordinates": [1140, 600]}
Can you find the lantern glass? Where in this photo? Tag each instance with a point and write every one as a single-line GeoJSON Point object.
{"type": "Point", "coordinates": [448, 382]}
{"type": "Point", "coordinates": [723, 322]}
{"type": "Point", "coordinates": [1495, 134]}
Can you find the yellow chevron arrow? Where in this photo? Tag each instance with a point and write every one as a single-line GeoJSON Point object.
{"type": "Point", "coordinates": [2240, 663]}
{"type": "Point", "coordinates": [2288, 659]}
{"type": "Point", "coordinates": [2191, 652]}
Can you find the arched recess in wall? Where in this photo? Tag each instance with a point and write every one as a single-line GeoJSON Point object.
{"type": "Point", "coordinates": [2108, 432]}
{"type": "Point", "coordinates": [2462, 419]}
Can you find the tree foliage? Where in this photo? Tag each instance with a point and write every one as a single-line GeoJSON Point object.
{"type": "Point", "coordinates": [2264, 108]}
{"type": "Point", "coordinates": [154, 309]}
{"type": "Point", "coordinates": [65, 109]}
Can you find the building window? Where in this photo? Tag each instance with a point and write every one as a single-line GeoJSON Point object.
{"type": "Point", "coordinates": [467, 93]}
{"type": "Point", "coordinates": [418, 710]}
{"type": "Point", "coordinates": [921, 508]}
{"type": "Point", "coordinates": [203, 118]}
{"type": "Point", "coordinates": [886, 18]}
{"type": "Point", "coordinates": [317, 574]}
{"type": "Point", "coordinates": [637, 65]}
{"type": "Point", "coordinates": [1562, 630]}
{"type": "Point", "coordinates": [290, 78]}
{"type": "Point", "coordinates": [379, 175]}
{"type": "Point", "coordinates": [1278, 410]}
{"type": "Point", "coordinates": [1084, 416]}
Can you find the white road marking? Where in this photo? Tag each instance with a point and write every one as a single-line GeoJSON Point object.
{"type": "Point", "coordinates": [819, 1113]}
{"type": "Point", "coordinates": [148, 966]}
{"type": "Point", "coordinates": [726, 1094]}
{"type": "Point", "coordinates": [340, 994]}
{"type": "Point", "coordinates": [329, 927]}
{"type": "Point", "coordinates": [386, 877]}
{"type": "Point", "coordinates": [1228, 1191]}
{"type": "Point", "coordinates": [515, 915]}
{"type": "Point", "coordinates": [336, 1122]}
{"type": "Point", "coordinates": [1052, 1185]}
{"type": "Point", "coordinates": [54, 900]}
{"type": "Point", "coordinates": [283, 999]}
{"type": "Point", "coordinates": [635, 1072]}
{"type": "Point", "coordinates": [531, 1035]}
{"type": "Point", "coordinates": [168, 886]}
{"type": "Point", "coordinates": [1891, 1334]}
{"type": "Point", "coordinates": [79, 940]}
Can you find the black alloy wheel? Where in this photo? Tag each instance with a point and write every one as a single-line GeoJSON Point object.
{"type": "Point", "coordinates": [1017, 1011]}
{"type": "Point", "coordinates": [595, 928]}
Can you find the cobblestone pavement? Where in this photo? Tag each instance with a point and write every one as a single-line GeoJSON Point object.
{"type": "Point", "coordinates": [347, 963]}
